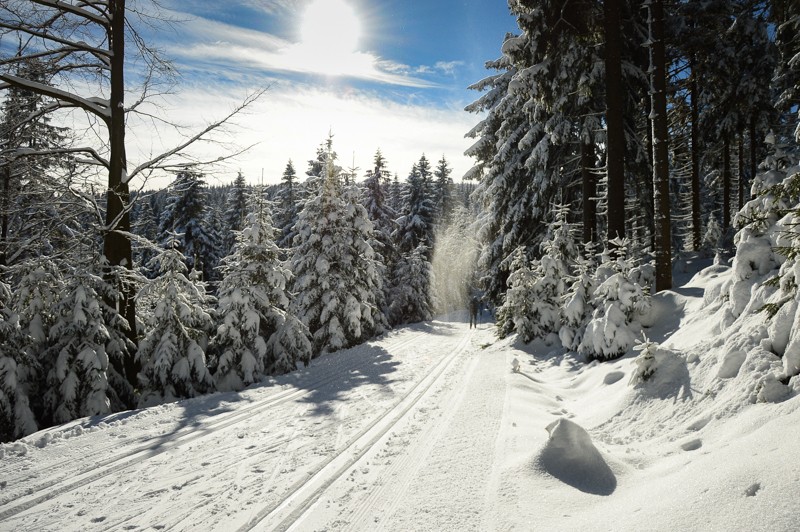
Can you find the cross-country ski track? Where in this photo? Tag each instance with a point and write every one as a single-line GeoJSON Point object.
{"type": "Point", "coordinates": [432, 427]}
{"type": "Point", "coordinates": [294, 454]}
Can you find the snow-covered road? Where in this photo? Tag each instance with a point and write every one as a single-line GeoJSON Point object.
{"type": "Point", "coordinates": [429, 428]}
{"type": "Point", "coordinates": [361, 439]}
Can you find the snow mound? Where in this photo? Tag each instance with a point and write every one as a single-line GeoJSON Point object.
{"type": "Point", "coordinates": [571, 457]}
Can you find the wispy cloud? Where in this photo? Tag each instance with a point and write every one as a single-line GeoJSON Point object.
{"type": "Point", "coordinates": [205, 41]}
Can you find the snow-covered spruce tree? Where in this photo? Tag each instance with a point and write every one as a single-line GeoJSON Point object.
{"type": "Point", "coordinates": [16, 418]}
{"type": "Point", "coordinates": [383, 219]}
{"type": "Point", "coordinates": [577, 309]}
{"type": "Point", "coordinates": [288, 197]}
{"type": "Point", "coordinates": [36, 288]}
{"type": "Point", "coordinates": [411, 297]}
{"type": "Point", "coordinates": [513, 314]}
{"type": "Point", "coordinates": [255, 335]}
{"type": "Point", "coordinates": [172, 351]}
{"type": "Point", "coordinates": [443, 190]}
{"type": "Point", "coordinates": [618, 303]}
{"type": "Point", "coordinates": [77, 383]}
{"type": "Point", "coordinates": [417, 225]}
{"type": "Point", "coordinates": [185, 214]}
{"type": "Point", "coordinates": [337, 283]}
{"type": "Point", "coordinates": [539, 288]}
{"type": "Point", "coordinates": [235, 212]}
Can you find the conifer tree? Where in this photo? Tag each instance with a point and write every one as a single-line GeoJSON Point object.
{"type": "Point", "coordinates": [235, 212]}
{"type": "Point", "coordinates": [185, 213]}
{"type": "Point", "coordinates": [38, 285]}
{"type": "Point", "coordinates": [411, 298]}
{"type": "Point", "coordinates": [443, 188]}
{"type": "Point", "coordinates": [337, 275]}
{"type": "Point", "coordinates": [16, 418]}
{"type": "Point", "coordinates": [287, 204]}
{"type": "Point", "coordinates": [77, 383]}
{"type": "Point", "coordinates": [255, 335]}
{"type": "Point", "coordinates": [172, 351]}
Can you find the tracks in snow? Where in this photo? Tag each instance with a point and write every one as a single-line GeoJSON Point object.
{"type": "Point", "coordinates": [149, 448]}
{"type": "Point", "coordinates": [292, 506]}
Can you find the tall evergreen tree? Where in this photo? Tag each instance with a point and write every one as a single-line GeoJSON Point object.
{"type": "Point", "coordinates": [255, 335]}
{"type": "Point", "coordinates": [77, 383]}
{"type": "Point", "coordinates": [443, 189]}
{"type": "Point", "coordinates": [172, 351]}
{"type": "Point", "coordinates": [185, 213]}
{"type": "Point", "coordinates": [235, 212]}
{"type": "Point", "coordinates": [287, 204]}
{"type": "Point", "coordinates": [337, 275]}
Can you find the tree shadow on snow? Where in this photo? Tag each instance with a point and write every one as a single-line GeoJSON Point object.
{"type": "Point", "coordinates": [369, 365]}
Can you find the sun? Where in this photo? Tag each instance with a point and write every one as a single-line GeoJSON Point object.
{"type": "Point", "coordinates": [331, 28]}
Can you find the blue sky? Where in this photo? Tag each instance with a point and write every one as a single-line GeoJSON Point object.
{"type": "Point", "coordinates": [401, 88]}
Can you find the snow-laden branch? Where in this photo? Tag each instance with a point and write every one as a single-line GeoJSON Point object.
{"type": "Point", "coordinates": [158, 160]}
{"type": "Point", "coordinates": [96, 106]}
{"type": "Point", "coordinates": [30, 152]}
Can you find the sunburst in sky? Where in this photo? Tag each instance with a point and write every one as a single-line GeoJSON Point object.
{"type": "Point", "coordinates": [388, 74]}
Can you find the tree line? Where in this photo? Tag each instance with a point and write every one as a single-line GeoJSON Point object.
{"type": "Point", "coordinates": [615, 136]}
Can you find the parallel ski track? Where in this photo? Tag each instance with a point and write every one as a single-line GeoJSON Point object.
{"type": "Point", "coordinates": [74, 480]}
{"type": "Point", "coordinates": [329, 471]}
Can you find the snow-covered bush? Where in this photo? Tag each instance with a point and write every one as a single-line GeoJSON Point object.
{"type": "Point", "coordinates": [645, 362]}
{"type": "Point", "coordinates": [577, 309]}
{"type": "Point", "coordinates": [537, 292]}
{"type": "Point", "coordinates": [172, 352]}
{"type": "Point", "coordinates": [618, 303]}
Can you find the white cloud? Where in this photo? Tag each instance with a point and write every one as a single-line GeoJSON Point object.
{"type": "Point", "coordinates": [291, 121]}
{"type": "Point", "coordinates": [204, 41]}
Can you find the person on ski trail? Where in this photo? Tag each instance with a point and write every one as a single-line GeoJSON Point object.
{"type": "Point", "coordinates": [473, 312]}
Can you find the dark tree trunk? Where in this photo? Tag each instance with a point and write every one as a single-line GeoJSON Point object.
{"type": "Point", "coordinates": [589, 192]}
{"type": "Point", "coordinates": [696, 220]}
{"type": "Point", "coordinates": [116, 245]}
{"type": "Point", "coordinates": [726, 182]}
{"type": "Point", "coordinates": [753, 147]}
{"type": "Point", "coordinates": [5, 205]}
{"type": "Point", "coordinates": [615, 157]}
{"type": "Point", "coordinates": [661, 211]}
{"type": "Point", "coordinates": [741, 177]}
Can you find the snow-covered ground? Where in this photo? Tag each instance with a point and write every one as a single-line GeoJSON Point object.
{"type": "Point", "coordinates": [431, 428]}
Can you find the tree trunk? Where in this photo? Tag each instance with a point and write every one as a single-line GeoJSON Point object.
{"type": "Point", "coordinates": [116, 245]}
{"type": "Point", "coordinates": [5, 206]}
{"type": "Point", "coordinates": [726, 182]}
{"type": "Point", "coordinates": [615, 156]}
{"type": "Point", "coordinates": [696, 220]}
{"type": "Point", "coordinates": [753, 147]}
{"type": "Point", "coordinates": [741, 176]}
{"type": "Point", "coordinates": [661, 203]}
{"type": "Point", "coordinates": [589, 192]}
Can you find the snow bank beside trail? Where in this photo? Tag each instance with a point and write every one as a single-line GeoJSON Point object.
{"type": "Point", "coordinates": [571, 457]}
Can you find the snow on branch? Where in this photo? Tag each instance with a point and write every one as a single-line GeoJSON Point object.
{"type": "Point", "coordinates": [96, 106]}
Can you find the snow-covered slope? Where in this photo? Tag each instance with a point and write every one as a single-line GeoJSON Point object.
{"type": "Point", "coordinates": [439, 427]}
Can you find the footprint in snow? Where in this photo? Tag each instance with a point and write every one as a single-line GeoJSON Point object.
{"type": "Point", "coordinates": [753, 490]}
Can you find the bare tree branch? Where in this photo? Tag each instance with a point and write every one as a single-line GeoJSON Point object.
{"type": "Point", "coordinates": [158, 160]}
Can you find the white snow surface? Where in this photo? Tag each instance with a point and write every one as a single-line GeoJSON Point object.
{"type": "Point", "coordinates": [434, 428]}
